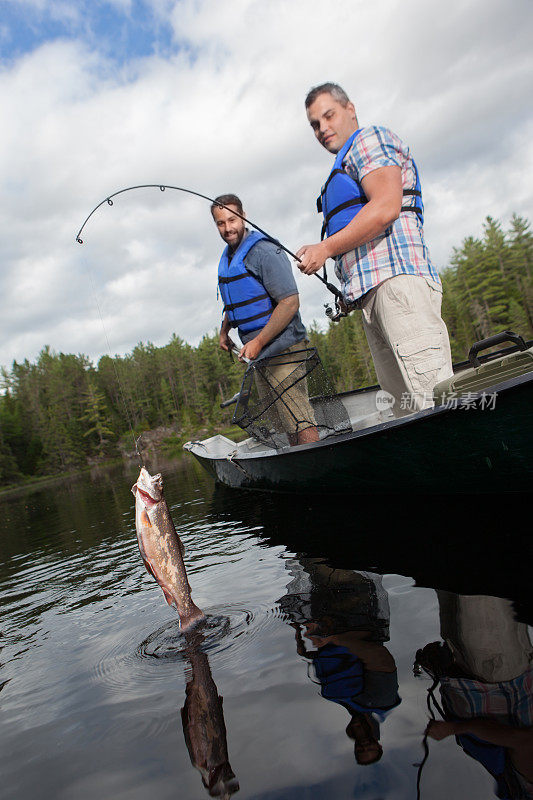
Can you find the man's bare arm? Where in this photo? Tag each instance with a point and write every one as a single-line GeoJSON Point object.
{"type": "Point", "coordinates": [383, 188]}
{"type": "Point", "coordinates": [487, 729]}
{"type": "Point", "coordinates": [281, 316]}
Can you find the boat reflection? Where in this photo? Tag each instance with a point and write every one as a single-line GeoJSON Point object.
{"type": "Point", "coordinates": [337, 606]}
{"type": "Point", "coordinates": [344, 616]}
{"type": "Point", "coordinates": [203, 723]}
{"type": "Point", "coordinates": [382, 537]}
{"type": "Point", "coordinates": [484, 669]}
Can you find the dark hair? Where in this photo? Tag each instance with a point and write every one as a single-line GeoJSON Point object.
{"type": "Point", "coordinates": [227, 200]}
{"type": "Point", "coordinates": [336, 91]}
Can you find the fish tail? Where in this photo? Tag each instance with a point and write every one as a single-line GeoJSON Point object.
{"type": "Point", "coordinates": [168, 596]}
{"type": "Point", "coordinates": [190, 619]}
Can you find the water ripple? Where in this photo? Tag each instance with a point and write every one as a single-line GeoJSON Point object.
{"type": "Point", "coordinates": [227, 635]}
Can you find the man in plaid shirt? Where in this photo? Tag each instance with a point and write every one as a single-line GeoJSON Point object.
{"type": "Point", "coordinates": [373, 226]}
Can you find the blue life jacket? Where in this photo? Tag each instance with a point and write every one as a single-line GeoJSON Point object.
{"type": "Point", "coordinates": [342, 679]}
{"type": "Point", "coordinates": [247, 304]}
{"type": "Point", "coordinates": [342, 197]}
{"type": "Point", "coordinates": [339, 672]}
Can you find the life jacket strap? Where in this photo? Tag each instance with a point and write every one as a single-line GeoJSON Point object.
{"type": "Point", "coordinates": [359, 201]}
{"type": "Point", "coordinates": [242, 322]}
{"type": "Point", "coordinates": [246, 302]}
{"type": "Point", "coordinates": [414, 193]}
{"type": "Point", "coordinates": [355, 201]}
{"type": "Point", "coordinates": [417, 210]}
{"type": "Point", "coordinates": [234, 278]}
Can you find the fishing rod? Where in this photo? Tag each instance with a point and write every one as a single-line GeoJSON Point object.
{"type": "Point", "coordinates": [162, 186]}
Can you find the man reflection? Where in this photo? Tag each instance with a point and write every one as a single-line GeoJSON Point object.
{"type": "Point", "coordinates": [203, 723]}
{"type": "Point", "coordinates": [485, 672]}
{"type": "Point", "coordinates": [345, 616]}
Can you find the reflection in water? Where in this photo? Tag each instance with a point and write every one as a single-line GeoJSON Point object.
{"type": "Point", "coordinates": [305, 526]}
{"type": "Point", "coordinates": [485, 671]}
{"type": "Point", "coordinates": [75, 603]}
{"type": "Point", "coordinates": [345, 616]}
{"type": "Point", "coordinates": [203, 722]}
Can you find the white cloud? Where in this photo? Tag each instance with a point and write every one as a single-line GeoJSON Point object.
{"type": "Point", "coordinates": [224, 112]}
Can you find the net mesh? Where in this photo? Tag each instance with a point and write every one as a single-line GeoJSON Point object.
{"type": "Point", "coordinates": [284, 395]}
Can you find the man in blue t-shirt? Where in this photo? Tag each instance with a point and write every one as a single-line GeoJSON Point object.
{"type": "Point", "coordinates": [266, 266]}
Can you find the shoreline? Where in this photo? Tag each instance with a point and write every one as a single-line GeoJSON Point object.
{"type": "Point", "coordinates": [156, 449]}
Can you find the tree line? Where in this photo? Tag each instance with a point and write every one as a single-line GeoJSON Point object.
{"type": "Point", "coordinates": [63, 412]}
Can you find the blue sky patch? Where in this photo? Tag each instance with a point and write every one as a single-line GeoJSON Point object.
{"type": "Point", "coordinates": [117, 32]}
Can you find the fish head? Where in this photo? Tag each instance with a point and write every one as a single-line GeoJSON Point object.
{"type": "Point", "coordinates": [220, 781]}
{"type": "Point", "coordinates": [148, 488]}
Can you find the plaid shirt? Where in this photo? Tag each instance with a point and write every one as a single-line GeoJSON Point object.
{"type": "Point", "coordinates": [403, 251]}
{"type": "Point", "coordinates": [506, 701]}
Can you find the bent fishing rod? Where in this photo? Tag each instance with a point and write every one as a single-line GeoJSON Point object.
{"type": "Point", "coordinates": [161, 186]}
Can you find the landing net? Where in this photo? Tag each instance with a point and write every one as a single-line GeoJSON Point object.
{"type": "Point", "coordinates": [287, 394]}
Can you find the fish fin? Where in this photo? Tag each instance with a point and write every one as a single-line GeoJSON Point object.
{"type": "Point", "coordinates": [142, 551]}
{"type": "Point", "coordinates": [168, 596]}
{"type": "Point", "coordinates": [149, 567]}
{"type": "Point", "coordinates": [151, 571]}
{"type": "Point", "coordinates": [145, 519]}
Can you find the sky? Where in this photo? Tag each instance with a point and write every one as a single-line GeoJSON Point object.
{"type": "Point", "coordinates": [100, 95]}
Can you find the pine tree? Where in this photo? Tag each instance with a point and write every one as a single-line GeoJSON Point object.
{"type": "Point", "coordinates": [97, 417]}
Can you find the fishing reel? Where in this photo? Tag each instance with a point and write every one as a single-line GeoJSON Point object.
{"type": "Point", "coordinates": [337, 314]}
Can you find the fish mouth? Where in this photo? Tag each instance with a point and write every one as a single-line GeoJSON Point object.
{"type": "Point", "coordinates": [147, 499]}
{"type": "Point", "coordinates": [150, 488]}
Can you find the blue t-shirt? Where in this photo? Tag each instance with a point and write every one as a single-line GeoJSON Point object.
{"type": "Point", "coordinates": [272, 268]}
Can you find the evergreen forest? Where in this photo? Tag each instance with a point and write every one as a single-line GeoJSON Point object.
{"type": "Point", "coordinates": [63, 412]}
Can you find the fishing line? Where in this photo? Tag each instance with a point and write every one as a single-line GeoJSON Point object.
{"type": "Point", "coordinates": [425, 746]}
{"type": "Point", "coordinates": [119, 382]}
{"type": "Point", "coordinates": [162, 186]}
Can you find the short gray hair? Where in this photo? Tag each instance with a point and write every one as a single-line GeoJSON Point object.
{"type": "Point", "coordinates": [336, 91]}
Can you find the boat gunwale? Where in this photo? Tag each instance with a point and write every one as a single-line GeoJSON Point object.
{"type": "Point", "coordinates": [373, 430]}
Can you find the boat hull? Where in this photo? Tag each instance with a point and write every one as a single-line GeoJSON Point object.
{"type": "Point", "coordinates": [470, 448]}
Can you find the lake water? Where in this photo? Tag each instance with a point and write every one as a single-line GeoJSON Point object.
{"type": "Point", "coordinates": [315, 613]}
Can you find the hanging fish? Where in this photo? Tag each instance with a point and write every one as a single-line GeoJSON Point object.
{"type": "Point", "coordinates": [161, 548]}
